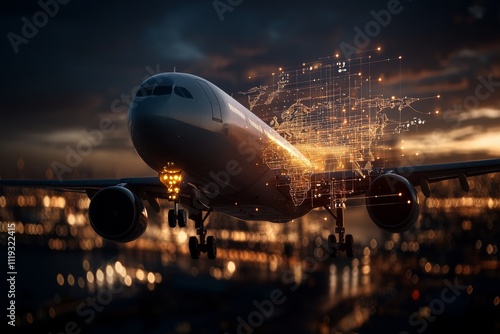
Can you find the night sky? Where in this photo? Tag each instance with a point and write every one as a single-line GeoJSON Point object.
{"type": "Point", "coordinates": [84, 58]}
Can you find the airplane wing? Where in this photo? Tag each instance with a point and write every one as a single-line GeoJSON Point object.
{"type": "Point", "coordinates": [149, 186]}
{"type": "Point", "coordinates": [417, 175]}
{"type": "Point", "coordinates": [422, 175]}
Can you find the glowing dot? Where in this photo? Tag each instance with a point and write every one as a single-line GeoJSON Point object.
{"type": "Point", "coordinates": [415, 294]}
{"type": "Point", "coordinates": [118, 266]}
{"type": "Point", "coordinates": [139, 274]}
{"type": "Point", "coordinates": [71, 280]}
{"type": "Point", "coordinates": [86, 264]}
{"type": "Point", "coordinates": [151, 277]}
{"type": "Point", "coordinates": [158, 278]}
{"type": "Point", "coordinates": [60, 279]}
{"type": "Point", "coordinates": [90, 277]}
{"type": "Point", "coordinates": [99, 275]}
{"type": "Point", "coordinates": [231, 267]}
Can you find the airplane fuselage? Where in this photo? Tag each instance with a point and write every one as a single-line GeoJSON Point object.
{"type": "Point", "coordinates": [185, 121]}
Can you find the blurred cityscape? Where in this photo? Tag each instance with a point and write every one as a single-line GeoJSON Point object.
{"type": "Point", "coordinates": [442, 275]}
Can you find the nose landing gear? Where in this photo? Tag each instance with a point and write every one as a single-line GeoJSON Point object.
{"type": "Point", "coordinates": [171, 177]}
{"type": "Point", "coordinates": [177, 216]}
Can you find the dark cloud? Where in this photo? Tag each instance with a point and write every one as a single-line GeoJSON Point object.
{"type": "Point", "coordinates": [91, 53]}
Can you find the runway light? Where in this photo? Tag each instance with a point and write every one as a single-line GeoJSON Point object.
{"type": "Point", "coordinates": [139, 274]}
{"type": "Point", "coordinates": [158, 278]}
{"type": "Point", "coordinates": [231, 267]}
{"type": "Point", "coordinates": [109, 270]}
{"type": "Point", "coordinates": [60, 279]}
{"type": "Point", "coordinates": [90, 277]}
{"type": "Point", "coordinates": [151, 277]}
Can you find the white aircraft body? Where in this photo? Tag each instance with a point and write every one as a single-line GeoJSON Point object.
{"type": "Point", "coordinates": [208, 151]}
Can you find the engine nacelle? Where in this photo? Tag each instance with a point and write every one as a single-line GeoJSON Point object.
{"type": "Point", "coordinates": [392, 203]}
{"type": "Point", "coordinates": [117, 214]}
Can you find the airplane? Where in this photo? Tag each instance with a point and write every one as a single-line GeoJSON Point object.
{"type": "Point", "coordinates": [212, 154]}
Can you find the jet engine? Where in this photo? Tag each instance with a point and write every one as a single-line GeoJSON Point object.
{"type": "Point", "coordinates": [117, 214]}
{"type": "Point", "coordinates": [392, 203]}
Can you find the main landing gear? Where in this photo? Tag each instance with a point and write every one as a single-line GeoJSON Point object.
{"type": "Point", "coordinates": [344, 244]}
{"type": "Point", "coordinates": [205, 244]}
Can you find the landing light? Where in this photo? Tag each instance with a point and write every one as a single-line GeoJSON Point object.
{"type": "Point", "coordinates": [171, 177]}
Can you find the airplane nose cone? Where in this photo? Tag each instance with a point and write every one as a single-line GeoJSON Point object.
{"type": "Point", "coordinates": [144, 119]}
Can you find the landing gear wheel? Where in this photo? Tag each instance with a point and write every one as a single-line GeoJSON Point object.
{"type": "Point", "coordinates": [172, 221]}
{"type": "Point", "coordinates": [194, 248]}
{"type": "Point", "coordinates": [349, 245]}
{"type": "Point", "coordinates": [345, 241]}
{"type": "Point", "coordinates": [332, 245]}
{"type": "Point", "coordinates": [204, 244]}
{"type": "Point", "coordinates": [211, 248]}
{"type": "Point", "coordinates": [181, 218]}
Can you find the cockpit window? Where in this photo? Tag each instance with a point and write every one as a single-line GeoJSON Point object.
{"type": "Point", "coordinates": [162, 90]}
{"type": "Point", "coordinates": [143, 91]}
{"type": "Point", "coordinates": [182, 92]}
{"type": "Point", "coordinates": [156, 90]}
